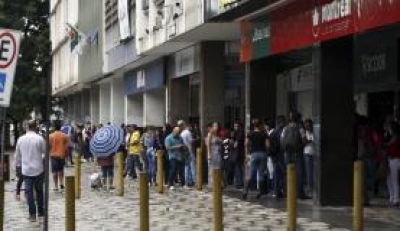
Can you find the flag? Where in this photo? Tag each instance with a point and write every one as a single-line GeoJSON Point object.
{"type": "Point", "coordinates": [78, 39]}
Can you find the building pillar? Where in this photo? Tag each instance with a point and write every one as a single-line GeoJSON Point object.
{"type": "Point", "coordinates": [134, 109]}
{"type": "Point", "coordinates": [154, 107]}
{"type": "Point", "coordinates": [85, 105]}
{"type": "Point", "coordinates": [333, 110]}
{"type": "Point", "coordinates": [117, 99]}
{"type": "Point", "coordinates": [179, 100]}
{"type": "Point", "coordinates": [212, 82]}
{"type": "Point", "coordinates": [105, 101]}
{"type": "Point", "coordinates": [94, 104]}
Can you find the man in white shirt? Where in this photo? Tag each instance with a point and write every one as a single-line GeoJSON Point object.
{"type": "Point", "coordinates": [29, 153]}
{"type": "Point", "coordinates": [190, 162]}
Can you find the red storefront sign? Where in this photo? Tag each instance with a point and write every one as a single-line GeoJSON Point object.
{"type": "Point", "coordinates": [305, 22]}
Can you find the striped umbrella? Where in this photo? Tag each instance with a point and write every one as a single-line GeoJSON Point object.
{"type": "Point", "coordinates": [106, 141]}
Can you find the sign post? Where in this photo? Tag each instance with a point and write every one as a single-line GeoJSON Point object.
{"type": "Point", "coordinates": [9, 50]}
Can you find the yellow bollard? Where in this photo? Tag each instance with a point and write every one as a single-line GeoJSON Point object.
{"type": "Point", "coordinates": [77, 176]}
{"type": "Point", "coordinates": [217, 199]}
{"type": "Point", "coordinates": [69, 203]}
{"type": "Point", "coordinates": [358, 197]}
{"type": "Point", "coordinates": [291, 197]}
{"type": "Point", "coordinates": [199, 169]}
{"type": "Point", "coordinates": [120, 174]}
{"type": "Point", "coordinates": [160, 172]}
{"type": "Point", "coordinates": [144, 202]}
{"type": "Point", "coordinates": [2, 204]}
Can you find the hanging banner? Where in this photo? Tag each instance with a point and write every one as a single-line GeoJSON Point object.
{"type": "Point", "coordinates": [303, 23]}
{"type": "Point", "coordinates": [9, 50]}
{"type": "Point", "coordinates": [123, 17]}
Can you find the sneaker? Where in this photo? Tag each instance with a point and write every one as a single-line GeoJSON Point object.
{"type": "Point", "coordinates": [32, 218]}
{"type": "Point", "coordinates": [61, 187]}
{"type": "Point", "coordinates": [171, 188]}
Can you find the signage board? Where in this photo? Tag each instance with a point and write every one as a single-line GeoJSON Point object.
{"type": "Point", "coordinates": [9, 50]}
{"type": "Point", "coordinates": [303, 23]}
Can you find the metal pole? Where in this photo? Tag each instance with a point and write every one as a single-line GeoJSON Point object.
{"type": "Point", "coordinates": [291, 197]}
{"type": "Point", "coordinates": [47, 154]}
{"type": "Point", "coordinates": [77, 175]}
{"type": "Point", "coordinates": [120, 174]}
{"type": "Point", "coordinates": [358, 197]}
{"type": "Point", "coordinates": [3, 133]}
{"type": "Point", "coordinates": [69, 203]}
{"type": "Point", "coordinates": [2, 204]}
{"type": "Point", "coordinates": [144, 223]}
{"type": "Point", "coordinates": [217, 199]}
{"type": "Point", "coordinates": [199, 169]}
{"type": "Point", "coordinates": [160, 172]}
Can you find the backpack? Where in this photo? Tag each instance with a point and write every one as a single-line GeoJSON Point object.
{"type": "Point", "coordinates": [291, 139]}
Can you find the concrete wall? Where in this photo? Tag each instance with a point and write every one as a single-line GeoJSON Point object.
{"type": "Point", "coordinates": [134, 109]}
{"type": "Point", "coordinates": [85, 105]}
{"type": "Point", "coordinates": [154, 107]}
{"type": "Point", "coordinates": [117, 101]}
{"type": "Point", "coordinates": [105, 101]}
{"type": "Point", "coordinates": [95, 104]}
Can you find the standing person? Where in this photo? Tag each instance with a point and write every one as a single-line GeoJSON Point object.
{"type": "Point", "coordinates": [257, 145]}
{"type": "Point", "coordinates": [238, 139]}
{"type": "Point", "coordinates": [175, 147]}
{"type": "Point", "coordinates": [309, 151]}
{"type": "Point", "coordinates": [87, 136]}
{"type": "Point", "coordinates": [149, 142]}
{"type": "Point", "coordinates": [278, 158]}
{"type": "Point", "coordinates": [107, 169]}
{"type": "Point", "coordinates": [366, 153]}
{"type": "Point", "coordinates": [292, 141]}
{"type": "Point", "coordinates": [227, 162]}
{"type": "Point", "coordinates": [214, 150]}
{"type": "Point", "coordinates": [29, 153]}
{"type": "Point", "coordinates": [134, 152]}
{"type": "Point", "coordinates": [165, 131]}
{"type": "Point", "coordinates": [393, 153]}
{"type": "Point", "coordinates": [69, 131]}
{"type": "Point", "coordinates": [190, 160]}
{"type": "Point", "coordinates": [20, 177]}
{"type": "Point", "coordinates": [58, 149]}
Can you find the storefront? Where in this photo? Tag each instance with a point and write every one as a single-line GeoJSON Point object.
{"type": "Point", "coordinates": [317, 58]}
{"type": "Point", "coordinates": [146, 95]}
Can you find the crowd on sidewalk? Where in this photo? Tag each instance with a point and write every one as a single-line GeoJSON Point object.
{"type": "Point", "coordinates": [256, 161]}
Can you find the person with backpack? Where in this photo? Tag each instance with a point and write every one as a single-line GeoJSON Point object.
{"type": "Point", "coordinates": [292, 139]}
{"type": "Point", "coordinates": [257, 146]}
{"type": "Point", "coordinates": [278, 158]}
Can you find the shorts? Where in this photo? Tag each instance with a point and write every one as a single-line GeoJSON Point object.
{"type": "Point", "coordinates": [107, 172]}
{"type": "Point", "coordinates": [57, 164]}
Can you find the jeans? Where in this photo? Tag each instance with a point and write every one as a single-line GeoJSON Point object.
{"type": "Point", "coordinates": [133, 164]}
{"type": "Point", "coordinates": [227, 167]}
{"type": "Point", "coordinates": [152, 165]}
{"type": "Point", "coordinates": [278, 162]}
{"type": "Point", "coordinates": [190, 170]}
{"type": "Point", "coordinates": [176, 168]}
{"type": "Point", "coordinates": [393, 180]}
{"type": "Point", "coordinates": [369, 166]}
{"type": "Point", "coordinates": [309, 172]}
{"type": "Point", "coordinates": [238, 168]}
{"type": "Point", "coordinates": [258, 164]}
{"type": "Point", "coordinates": [34, 183]}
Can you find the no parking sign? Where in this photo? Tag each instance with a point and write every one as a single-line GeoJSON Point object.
{"type": "Point", "coordinates": [9, 50]}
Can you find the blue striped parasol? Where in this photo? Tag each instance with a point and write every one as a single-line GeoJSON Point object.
{"type": "Point", "coordinates": [106, 141]}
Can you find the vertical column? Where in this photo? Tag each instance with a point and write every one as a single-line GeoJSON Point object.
{"type": "Point", "coordinates": [154, 107]}
{"type": "Point", "coordinates": [212, 82]}
{"type": "Point", "coordinates": [179, 99]}
{"type": "Point", "coordinates": [105, 101]}
{"type": "Point", "coordinates": [94, 104]}
{"type": "Point", "coordinates": [117, 99]}
{"type": "Point", "coordinates": [333, 110]}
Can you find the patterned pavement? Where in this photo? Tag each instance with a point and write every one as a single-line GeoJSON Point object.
{"type": "Point", "coordinates": [180, 210]}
